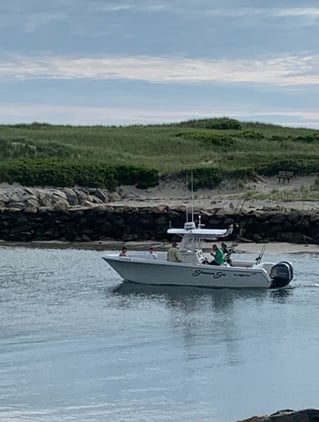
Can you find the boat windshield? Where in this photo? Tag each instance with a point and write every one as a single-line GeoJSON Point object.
{"type": "Point", "coordinates": [190, 243]}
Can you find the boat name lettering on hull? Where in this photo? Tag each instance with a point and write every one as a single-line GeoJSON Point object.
{"type": "Point", "coordinates": [214, 275]}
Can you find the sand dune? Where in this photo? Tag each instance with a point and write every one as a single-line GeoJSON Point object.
{"type": "Point", "coordinates": [301, 193]}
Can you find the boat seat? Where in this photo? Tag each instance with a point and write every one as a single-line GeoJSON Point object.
{"type": "Point", "coordinates": [199, 256]}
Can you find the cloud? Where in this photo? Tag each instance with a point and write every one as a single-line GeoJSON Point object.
{"type": "Point", "coordinates": [266, 12]}
{"type": "Point", "coordinates": [32, 16]}
{"type": "Point", "coordinates": [290, 70]}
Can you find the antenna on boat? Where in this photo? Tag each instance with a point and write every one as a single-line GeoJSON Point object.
{"type": "Point", "coordinates": [189, 225]}
{"type": "Point", "coordinates": [192, 191]}
{"type": "Point", "coordinates": [186, 186]}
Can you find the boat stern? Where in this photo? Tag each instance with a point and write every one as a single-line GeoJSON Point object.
{"type": "Point", "coordinates": [281, 274]}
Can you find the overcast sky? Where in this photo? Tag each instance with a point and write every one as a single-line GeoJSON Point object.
{"type": "Point", "coordinates": [157, 61]}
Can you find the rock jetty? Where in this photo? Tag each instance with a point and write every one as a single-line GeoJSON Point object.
{"type": "Point", "coordinates": [84, 214]}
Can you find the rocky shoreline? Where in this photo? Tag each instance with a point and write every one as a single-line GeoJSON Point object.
{"type": "Point", "coordinates": [92, 215]}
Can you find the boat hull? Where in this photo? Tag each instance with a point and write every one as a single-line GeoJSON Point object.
{"type": "Point", "coordinates": [160, 272]}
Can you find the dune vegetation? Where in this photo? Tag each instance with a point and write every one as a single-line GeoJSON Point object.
{"type": "Point", "coordinates": [106, 156]}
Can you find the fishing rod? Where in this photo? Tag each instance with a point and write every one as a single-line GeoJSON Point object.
{"type": "Point", "coordinates": [261, 254]}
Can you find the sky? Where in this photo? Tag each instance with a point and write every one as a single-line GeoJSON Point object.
{"type": "Point", "coordinates": [123, 62]}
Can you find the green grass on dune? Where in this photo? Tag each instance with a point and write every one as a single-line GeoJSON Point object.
{"type": "Point", "coordinates": [212, 148]}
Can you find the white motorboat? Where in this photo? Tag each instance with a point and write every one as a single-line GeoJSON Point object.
{"type": "Point", "coordinates": [193, 269]}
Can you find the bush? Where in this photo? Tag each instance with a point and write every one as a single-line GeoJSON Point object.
{"type": "Point", "coordinates": [308, 139]}
{"type": "Point", "coordinates": [203, 178]}
{"type": "Point", "coordinates": [208, 138]}
{"type": "Point", "coordinates": [250, 134]}
{"type": "Point", "coordinates": [221, 123]}
{"type": "Point", "coordinates": [296, 166]}
{"type": "Point", "coordinates": [210, 178]}
{"type": "Point", "coordinates": [57, 173]}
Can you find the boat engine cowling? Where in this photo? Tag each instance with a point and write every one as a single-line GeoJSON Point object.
{"type": "Point", "coordinates": [281, 274]}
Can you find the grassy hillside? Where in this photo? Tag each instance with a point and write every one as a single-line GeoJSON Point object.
{"type": "Point", "coordinates": [213, 148]}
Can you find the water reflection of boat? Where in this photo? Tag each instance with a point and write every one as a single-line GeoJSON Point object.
{"type": "Point", "coordinates": [167, 292]}
{"type": "Point", "coordinates": [187, 298]}
{"type": "Point", "coordinates": [193, 269]}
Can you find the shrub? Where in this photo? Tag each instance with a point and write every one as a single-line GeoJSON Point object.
{"type": "Point", "coordinates": [211, 177]}
{"type": "Point", "coordinates": [223, 123]}
{"type": "Point", "coordinates": [296, 166]}
{"type": "Point", "coordinates": [57, 173]}
{"type": "Point", "coordinates": [202, 178]}
{"type": "Point", "coordinates": [250, 134]}
{"type": "Point", "coordinates": [208, 138]}
{"type": "Point", "coordinates": [308, 139]}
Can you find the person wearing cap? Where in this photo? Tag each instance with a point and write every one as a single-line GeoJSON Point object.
{"type": "Point", "coordinates": [173, 254]}
{"type": "Point", "coordinates": [226, 253]}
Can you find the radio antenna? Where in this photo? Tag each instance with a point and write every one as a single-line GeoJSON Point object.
{"type": "Point", "coordinates": [186, 187]}
{"type": "Point", "coordinates": [192, 190]}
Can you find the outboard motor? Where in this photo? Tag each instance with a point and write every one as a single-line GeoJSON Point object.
{"type": "Point", "coordinates": [281, 274]}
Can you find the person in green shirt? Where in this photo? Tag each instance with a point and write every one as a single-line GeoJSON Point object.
{"type": "Point", "coordinates": [173, 254]}
{"type": "Point", "coordinates": [218, 256]}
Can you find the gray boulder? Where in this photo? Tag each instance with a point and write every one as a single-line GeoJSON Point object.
{"type": "Point", "coordinates": [101, 194]}
{"type": "Point", "coordinates": [114, 197]}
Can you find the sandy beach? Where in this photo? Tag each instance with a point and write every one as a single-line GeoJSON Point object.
{"type": "Point", "coordinates": [301, 193]}
{"type": "Point", "coordinates": [240, 247]}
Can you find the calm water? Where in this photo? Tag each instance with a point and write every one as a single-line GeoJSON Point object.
{"type": "Point", "coordinates": [76, 345]}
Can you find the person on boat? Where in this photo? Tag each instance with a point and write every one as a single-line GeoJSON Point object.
{"type": "Point", "coordinates": [123, 251]}
{"type": "Point", "coordinates": [152, 254]}
{"type": "Point", "coordinates": [218, 256]}
{"type": "Point", "coordinates": [227, 253]}
{"type": "Point", "coordinates": [173, 254]}
{"type": "Point", "coordinates": [224, 248]}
